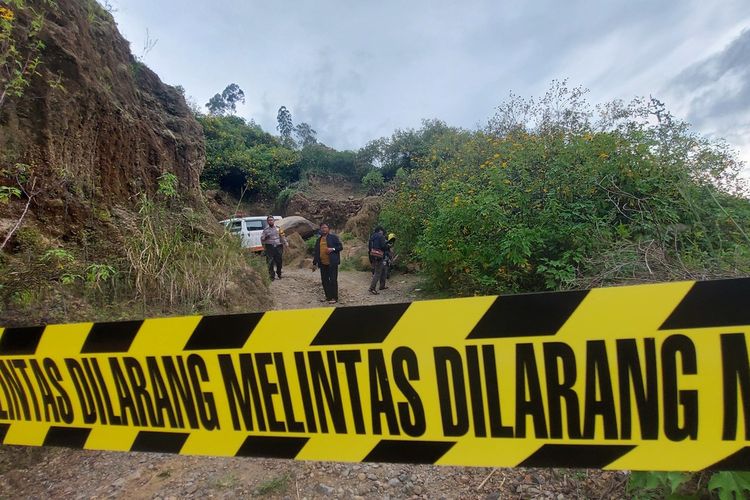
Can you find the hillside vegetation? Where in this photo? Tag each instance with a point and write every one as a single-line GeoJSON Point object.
{"type": "Point", "coordinates": [245, 160]}
{"type": "Point", "coordinates": [552, 194]}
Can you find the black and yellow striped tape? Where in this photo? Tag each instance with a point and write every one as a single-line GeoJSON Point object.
{"type": "Point", "coordinates": [652, 377]}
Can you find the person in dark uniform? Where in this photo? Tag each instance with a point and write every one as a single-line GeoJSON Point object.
{"type": "Point", "coordinates": [327, 256]}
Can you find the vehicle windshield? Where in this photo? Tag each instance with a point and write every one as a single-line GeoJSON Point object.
{"type": "Point", "coordinates": [255, 225]}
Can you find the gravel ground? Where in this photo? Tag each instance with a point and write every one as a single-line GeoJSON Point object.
{"type": "Point", "coordinates": [62, 473]}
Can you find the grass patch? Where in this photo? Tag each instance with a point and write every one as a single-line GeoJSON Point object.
{"type": "Point", "coordinates": [163, 260]}
{"type": "Point", "coordinates": [275, 485]}
{"type": "Point", "coordinates": [226, 482]}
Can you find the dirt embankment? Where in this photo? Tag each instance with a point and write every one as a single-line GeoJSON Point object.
{"type": "Point", "coordinates": [103, 133]}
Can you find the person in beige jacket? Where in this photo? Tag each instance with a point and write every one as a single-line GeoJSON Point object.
{"type": "Point", "coordinates": [273, 240]}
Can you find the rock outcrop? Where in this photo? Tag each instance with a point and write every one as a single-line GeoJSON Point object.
{"type": "Point", "coordinates": [299, 225]}
{"type": "Point", "coordinates": [334, 212]}
{"type": "Point", "coordinates": [105, 131]}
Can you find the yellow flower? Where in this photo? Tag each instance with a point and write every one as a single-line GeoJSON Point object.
{"type": "Point", "coordinates": [6, 14]}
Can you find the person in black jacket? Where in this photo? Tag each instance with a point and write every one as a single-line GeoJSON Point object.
{"type": "Point", "coordinates": [377, 248]}
{"type": "Point", "coordinates": [327, 257]}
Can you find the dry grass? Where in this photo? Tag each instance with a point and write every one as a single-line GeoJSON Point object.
{"type": "Point", "coordinates": [361, 225]}
{"type": "Point", "coordinates": [179, 261]}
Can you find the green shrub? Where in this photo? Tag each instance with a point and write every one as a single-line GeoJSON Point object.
{"type": "Point", "coordinates": [373, 181]}
{"type": "Point", "coordinates": [571, 202]}
{"type": "Point", "coordinates": [676, 485]}
{"type": "Point", "coordinates": [282, 200]}
{"type": "Point", "coordinates": [310, 244]}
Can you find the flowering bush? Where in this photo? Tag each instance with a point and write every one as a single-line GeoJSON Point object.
{"type": "Point", "coordinates": [567, 198]}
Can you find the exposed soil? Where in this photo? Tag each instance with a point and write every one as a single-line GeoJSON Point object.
{"type": "Point", "coordinates": [64, 473]}
{"type": "Point", "coordinates": [301, 289]}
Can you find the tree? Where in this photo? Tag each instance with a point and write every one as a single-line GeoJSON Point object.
{"type": "Point", "coordinates": [285, 126]}
{"type": "Point", "coordinates": [373, 182]}
{"type": "Point", "coordinates": [226, 102]}
{"type": "Point", "coordinates": [216, 106]}
{"type": "Point", "coordinates": [305, 134]}
{"type": "Point", "coordinates": [232, 95]}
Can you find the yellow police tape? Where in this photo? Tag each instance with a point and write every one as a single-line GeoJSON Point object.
{"type": "Point", "coordinates": [643, 377]}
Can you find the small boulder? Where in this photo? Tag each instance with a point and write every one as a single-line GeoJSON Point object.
{"type": "Point", "coordinates": [296, 224]}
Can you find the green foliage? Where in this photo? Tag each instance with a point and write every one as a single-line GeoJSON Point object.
{"type": "Point", "coordinates": [8, 192]}
{"type": "Point", "coordinates": [21, 45]}
{"type": "Point", "coordinates": [167, 185]}
{"type": "Point", "coordinates": [23, 298]}
{"type": "Point", "coordinates": [137, 68]}
{"type": "Point", "coordinates": [373, 181]}
{"type": "Point", "coordinates": [226, 102]}
{"type": "Point", "coordinates": [285, 125]}
{"type": "Point", "coordinates": [242, 158]}
{"type": "Point", "coordinates": [409, 149]}
{"type": "Point", "coordinates": [275, 485]}
{"type": "Point", "coordinates": [240, 154]}
{"type": "Point", "coordinates": [310, 245]}
{"type": "Point", "coordinates": [30, 239]}
{"type": "Point", "coordinates": [282, 199]}
{"type": "Point", "coordinates": [174, 261]}
{"type": "Point", "coordinates": [730, 485]}
{"type": "Point", "coordinates": [97, 14]}
{"type": "Point", "coordinates": [680, 485]}
{"type": "Point", "coordinates": [648, 485]}
{"type": "Point", "coordinates": [70, 278]}
{"type": "Point", "coordinates": [401, 177]}
{"type": "Point", "coordinates": [306, 136]}
{"type": "Point", "coordinates": [97, 273]}
{"type": "Point", "coordinates": [323, 159]}
{"type": "Point", "coordinates": [60, 256]}
{"type": "Point", "coordinates": [567, 198]}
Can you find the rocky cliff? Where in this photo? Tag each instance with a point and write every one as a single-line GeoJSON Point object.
{"type": "Point", "coordinates": [100, 229]}
{"type": "Point", "coordinates": [96, 126]}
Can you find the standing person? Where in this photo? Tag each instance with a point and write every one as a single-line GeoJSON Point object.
{"type": "Point", "coordinates": [273, 240]}
{"type": "Point", "coordinates": [377, 248]}
{"type": "Point", "coordinates": [390, 257]}
{"type": "Point", "coordinates": [327, 257]}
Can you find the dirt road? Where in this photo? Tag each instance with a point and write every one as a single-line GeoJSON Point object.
{"type": "Point", "coordinates": [301, 289]}
{"type": "Point", "coordinates": [64, 473]}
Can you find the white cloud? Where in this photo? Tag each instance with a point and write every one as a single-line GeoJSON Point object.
{"type": "Point", "coordinates": [357, 70]}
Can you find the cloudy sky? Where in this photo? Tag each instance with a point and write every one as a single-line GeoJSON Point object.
{"type": "Point", "coordinates": [357, 70]}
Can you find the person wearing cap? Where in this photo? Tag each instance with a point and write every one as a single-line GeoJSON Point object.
{"type": "Point", "coordinates": [377, 248]}
{"type": "Point", "coordinates": [273, 240]}
{"type": "Point", "coordinates": [389, 257]}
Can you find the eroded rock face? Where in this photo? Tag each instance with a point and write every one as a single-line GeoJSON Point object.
{"type": "Point", "coordinates": [111, 129]}
{"type": "Point", "coordinates": [333, 212]}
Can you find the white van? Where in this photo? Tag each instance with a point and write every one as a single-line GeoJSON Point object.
{"type": "Point", "coordinates": [249, 230]}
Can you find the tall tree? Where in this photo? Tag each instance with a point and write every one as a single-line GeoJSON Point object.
{"type": "Point", "coordinates": [306, 136]}
{"type": "Point", "coordinates": [232, 95]}
{"type": "Point", "coordinates": [226, 102]}
{"type": "Point", "coordinates": [285, 125]}
{"type": "Point", "coordinates": [216, 105]}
